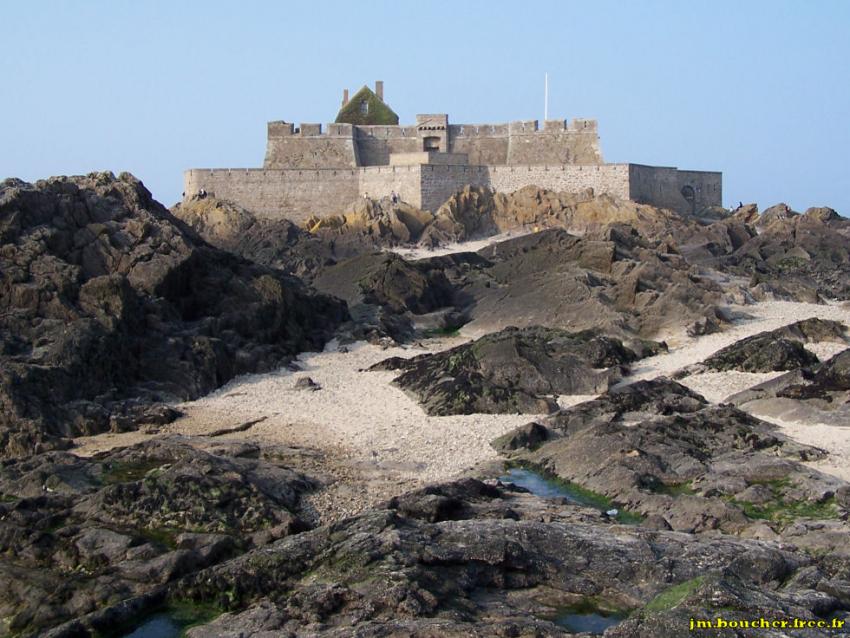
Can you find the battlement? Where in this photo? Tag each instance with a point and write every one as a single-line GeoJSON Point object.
{"type": "Point", "coordinates": [311, 145]}
{"type": "Point", "coordinates": [286, 129]}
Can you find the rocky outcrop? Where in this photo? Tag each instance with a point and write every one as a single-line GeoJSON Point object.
{"type": "Point", "coordinates": [659, 449]}
{"type": "Point", "coordinates": [368, 224]}
{"type": "Point", "coordinates": [780, 349]}
{"type": "Point", "coordinates": [110, 304]}
{"type": "Point", "coordinates": [787, 255]}
{"type": "Point", "coordinates": [475, 212]}
{"type": "Point", "coordinates": [77, 535]}
{"type": "Point", "coordinates": [390, 296]}
{"type": "Point", "coordinates": [469, 559]}
{"type": "Point", "coordinates": [278, 243]}
{"type": "Point", "coordinates": [515, 370]}
{"type": "Point", "coordinates": [614, 281]}
{"type": "Point", "coordinates": [819, 394]}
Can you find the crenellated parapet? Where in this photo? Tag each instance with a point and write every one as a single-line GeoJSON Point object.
{"type": "Point", "coordinates": [345, 145]}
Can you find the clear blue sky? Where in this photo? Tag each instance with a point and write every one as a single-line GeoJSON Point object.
{"type": "Point", "coordinates": [759, 90]}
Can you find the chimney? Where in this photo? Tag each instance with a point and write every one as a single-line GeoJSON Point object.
{"type": "Point", "coordinates": [379, 89]}
{"type": "Point", "coordinates": [344, 97]}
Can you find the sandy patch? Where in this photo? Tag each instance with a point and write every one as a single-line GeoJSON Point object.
{"type": "Point", "coordinates": [685, 350]}
{"type": "Point", "coordinates": [383, 428]}
{"type": "Point", "coordinates": [717, 386]}
{"type": "Point", "coordinates": [569, 400]}
{"type": "Point", "coordinates": [458, 247]}
{"type": "Point", "coordinates": [826, 349]}
{"type": "Point", "coordinates": [833, 439]}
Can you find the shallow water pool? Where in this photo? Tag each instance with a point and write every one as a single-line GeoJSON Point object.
{"type": "Point", "coordinates": [540, 485]}
{"type": "Point", "coordinates": [158, 626]}
{"type": "Point", "coordinates": [593, 623]}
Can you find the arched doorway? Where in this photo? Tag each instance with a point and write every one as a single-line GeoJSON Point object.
{"type": "Point", "coordinates": [690, 196]}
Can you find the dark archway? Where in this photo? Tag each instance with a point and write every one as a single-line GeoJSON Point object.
{"type": "Point", "coordinates": [431, 144]}
{"type": "Point", "coordinates": [690, 196]}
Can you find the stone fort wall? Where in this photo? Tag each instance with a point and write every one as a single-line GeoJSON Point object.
{"type": "Point", "coordinates": [311, 146]}
{"type": "Point", "coordinates": [297, 194]}
{"type": "Point", "coordinates": [293, 194]}
{"type": "Point", "coordinates": [664, 186]}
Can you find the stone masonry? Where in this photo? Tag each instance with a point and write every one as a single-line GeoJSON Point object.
{"type": "Point", "coordinates": [312, 169]}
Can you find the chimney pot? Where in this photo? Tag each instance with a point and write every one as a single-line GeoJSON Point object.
{"type": "Point", "coordinates": [379, 89]}
{"type": "Point", "coordinates": [344, 97]}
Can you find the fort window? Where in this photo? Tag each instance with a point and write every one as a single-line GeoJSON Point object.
{"type": "Point", "coordinates": [364, 107]}
{"type": "Point", "coordinates": [431, 144]}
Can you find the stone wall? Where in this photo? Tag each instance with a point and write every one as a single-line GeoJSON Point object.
{"type": "Point", "coordinates": [309, 147]}
{"type": "Point", "coordinates": [348, 146]}
{"type": "Point", "coordinates": [294, 194]}
{"type": "Point", "coordinates": [607, 178]}
{"type": "Point", "coordinates": [379, 181]}
{"type": "Point", "coordinates": [438, 183]}
{"type": "Point", "coordinates": [663, 186]}
{"type": "Point", "coordinates": [485, 144]}
{"type": "Point", "coordinates": [557, 143]}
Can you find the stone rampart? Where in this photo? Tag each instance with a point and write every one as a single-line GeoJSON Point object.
{"type": "Point", "coordinates": [438, 183]}
{"type": "Point", "coordinates": [682, 191]}
{"type": "Point", "coordinates": [380, 181]}
{"type": "Point", "coordinates": [607, 178]}
{"type": "Point", "coordinates": [293, 194]}
{"type": "Point", "coordinates": [309, 147]}
{"type": "Point", "coordinates": [296, 194]}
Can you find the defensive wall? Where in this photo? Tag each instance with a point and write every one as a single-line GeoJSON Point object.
{"type": "Point", "coordinates": [349, 146]}
{"type": "Point", "coordinates": [298, 193]}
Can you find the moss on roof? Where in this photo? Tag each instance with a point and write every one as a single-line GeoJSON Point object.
{"type": "Point", "coordinates": [376, 113]}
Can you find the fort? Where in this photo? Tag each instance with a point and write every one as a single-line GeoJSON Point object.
{"type": "Point", "coordinates": [311, 169]}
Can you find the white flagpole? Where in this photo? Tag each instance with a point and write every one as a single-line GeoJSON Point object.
{"type": "Point", "coordinates": [545, 97]}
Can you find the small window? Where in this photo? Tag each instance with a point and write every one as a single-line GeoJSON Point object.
{"type": "Point", "coordinates": [431, 144]}
{"type": "Point", "coordinates": [364, 107]}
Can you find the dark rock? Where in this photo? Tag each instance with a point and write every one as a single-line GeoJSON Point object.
{"type": "Point", "coordinates": [528, 436]}
{"type": "Point", "coordinates": [278, 243]}
{"type": "Point", "coordinates": [833, 376]}
{"type": "Point", "coordinates": [78, 534]}
{"type": "Point", "coordinates": [780, 349]}
{"type": "Point", "coordinates": [515, 370]}
{"type": "Point", "coordinates": [761, 353]}
{"type": "Point", "coordinates": [486, 576]}
{"type": "Point", "coordinates": [800, 257]}
{"type": "Point", "coordinates": [306, 383]}
{"type": "Point", "coordinates": [659, 449]}
{"type": "Point", "coordinates": [96, 275]}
